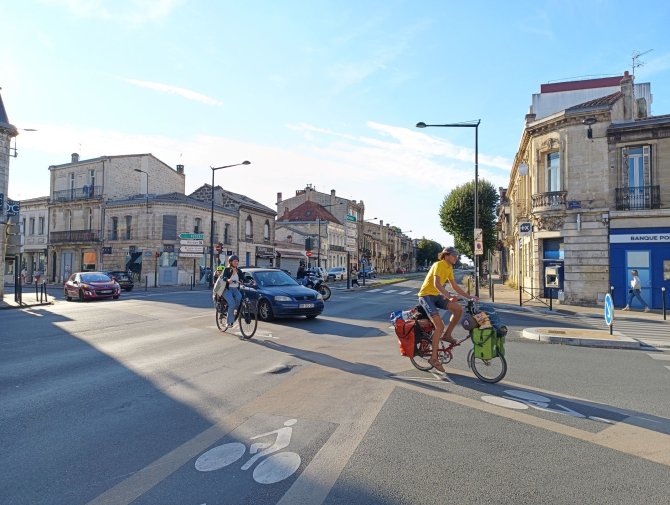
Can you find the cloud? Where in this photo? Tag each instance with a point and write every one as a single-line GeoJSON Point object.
{"type": "Point", "coordinates": [175, 90]}
{"type": "Point", "coordinates": [126, 11]}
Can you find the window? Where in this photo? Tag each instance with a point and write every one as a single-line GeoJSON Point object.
{"type": "Point", "coordinates": [226, 234]}
{"type": "Point", "coordinates": [197, 225]}
{"type": "Point", "coordinates": [91, 178]}
{"type": "Point", "coordinates": [40, 227]}
{"type": "Point", "coordinates": [68, 220]}
{"type": "Point", "coordinates": [115, 229]}
{"type": "Point", "coordinates": [553, 172]}
{"type": "Point", "coordinates": [249, 228]}
{"type": "Point", "coordinates": [31, 226]}
{"type": "Point", "coordinates": [266, 231]}
{"type": "Point", "coordinates": [129, 227]}
{"type": "Point", "coordinates": [169, 228]}
{"type": "Point", "coordinates": [89, 218]}
{"type": "Point", "coordinates": [638, 175]}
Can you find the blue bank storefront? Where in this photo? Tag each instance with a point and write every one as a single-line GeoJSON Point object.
{"type": "Point", "coordinates": [646, 250]}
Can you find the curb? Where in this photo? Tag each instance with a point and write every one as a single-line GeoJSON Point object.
{"type": "Point", "coordinates": [581, 337]}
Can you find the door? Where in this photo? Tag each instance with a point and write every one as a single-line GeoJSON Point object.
{"type": "Point", "coordinates": [636, 180]}
{"type": "Point", "coordinates": [640, 261]}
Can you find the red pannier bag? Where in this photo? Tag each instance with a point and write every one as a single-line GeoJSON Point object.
{"type": "Point", "coordinates": [406, 332]}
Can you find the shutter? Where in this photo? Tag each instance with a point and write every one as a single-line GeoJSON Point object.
{"type": "Point", "coordinates": [169, 227]}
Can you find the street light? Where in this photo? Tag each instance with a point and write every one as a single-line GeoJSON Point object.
{"type": "Point", "coordinates": [318, 220]}
{"type": "Point", "coordinates": [16, 151]}
{"type": "Point", "coordinates": [468, 124]}
{"type": "Point", "coordinates": [147, 193]}
{"type": "Point", "coordinates": [211, 223]}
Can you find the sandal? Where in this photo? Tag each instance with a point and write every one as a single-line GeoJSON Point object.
{"type": "Point", "coordinates": [437, 365]}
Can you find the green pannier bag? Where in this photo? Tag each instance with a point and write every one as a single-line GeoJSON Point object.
{"type": "Point", "coordinates": [485, 343]}
{"type": "Point", "coordinates": [500, 345]}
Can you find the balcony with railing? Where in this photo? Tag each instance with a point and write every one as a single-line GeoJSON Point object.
{"type": "Point", "coordinates": [552, 200]}
{"type": "Point", "coordinates": [74, 236]}
{"type": "Point", "coordinates": [74, 194]}
{"type": "Point", "coordinates": [639, 197]}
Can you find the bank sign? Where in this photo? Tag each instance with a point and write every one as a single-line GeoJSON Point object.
{"type": "Point", "coordinates": [640, 238]}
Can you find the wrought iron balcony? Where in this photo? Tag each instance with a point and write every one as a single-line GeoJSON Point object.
{"type": "Point", "coordinates": [552, 200]}
{"type": "Point", "coordinates": [640, 197]}
{"type": "Point", "coordinates": [73, 236]}
{"type": "Point", "coordinates": [70, 195]}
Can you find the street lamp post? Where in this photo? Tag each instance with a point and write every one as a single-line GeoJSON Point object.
{"type": "Point", "coordinates": [211, 223]}
{"type": "Point", "coordinates": [147, 193]}
{"type": "Point", "coordinates": [468, 124]}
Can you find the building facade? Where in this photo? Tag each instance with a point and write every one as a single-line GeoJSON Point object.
{"type": "Point", "coordinates": [588, 180]}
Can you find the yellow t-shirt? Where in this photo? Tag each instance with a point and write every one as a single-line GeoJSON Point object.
{"type": "Point", "coordinates": [441, 269]}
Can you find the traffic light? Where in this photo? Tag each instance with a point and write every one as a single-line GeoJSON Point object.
{"type": "Point", "coordinates": [308, 244]}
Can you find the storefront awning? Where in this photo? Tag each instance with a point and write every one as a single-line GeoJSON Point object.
{"type": "Point", "coordinates": [291, 253]}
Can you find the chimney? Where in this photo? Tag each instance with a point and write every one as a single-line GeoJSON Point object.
{"type": "Point", "coordinates": [278, 197]}
{"type": "Point", "coordinates": [180, 169]}
{"type": "Point", "coordinates": [75, 157]}
{"type": "Point", "coordinates": [332, 192]}
{"type": "Point", "coordinates": [286, 212]}
{"type": "Point", "coordinates": [530, 118]}
{"type": "Point", "coordinates": [628, 96]}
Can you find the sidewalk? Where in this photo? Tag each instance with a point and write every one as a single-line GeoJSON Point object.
{"type": "Point", "coordinates": [505, 295]}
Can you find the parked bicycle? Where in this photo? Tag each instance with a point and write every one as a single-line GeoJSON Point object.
{"type": "Point", "coordinates": [246, 314]}
{"type": "Point", "coordinates": [488, 369]}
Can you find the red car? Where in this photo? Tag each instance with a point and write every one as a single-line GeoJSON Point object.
{"type": "Point", "coordinates": [91, 285]}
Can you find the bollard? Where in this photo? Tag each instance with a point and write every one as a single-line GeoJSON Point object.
{"type": "Point", "coordinates": [612, 295]}
{"type": "Point", "coordinates": [551, 298]}
{"type": "Point", "coordinates": [493, 295]}
{"type": "Point", "coordinates": [663, 300]}
{"type": "Point", "coordinates": [146, 282]}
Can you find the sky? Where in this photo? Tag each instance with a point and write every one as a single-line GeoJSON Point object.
{"type": "Point", "coordinates": [316, 92]}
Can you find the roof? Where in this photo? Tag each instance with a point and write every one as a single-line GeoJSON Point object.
{"type": "Point", "coordinates": [603, 82]}
{"type": "Point", "coordinates": [174, 198]}
{"type": "Point", "coordinates": [245, 201]}
{"type": "Point", "coordinates": [662, 120]}
{"type": "Point", "coordinates": [309, 211]}
{"type": "Point", "coordinates": [602, 102]}
{"type": "Point", "coordinates": [4, 120]}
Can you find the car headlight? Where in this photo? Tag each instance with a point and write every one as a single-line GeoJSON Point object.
{"type": "Point", "coordinates": [281, 298]}
{"type": "Point", "coordinates": [319, 296]}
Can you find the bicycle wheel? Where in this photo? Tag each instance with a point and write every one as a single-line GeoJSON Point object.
{"type": "Point", "coordinates": [488, 370]}
{"type": "Point", "coordinates": [423, 349]}
{"type": "Point", "coordinates": [222, 316]}
{"type": "Point", "coordinates": [248, 319]}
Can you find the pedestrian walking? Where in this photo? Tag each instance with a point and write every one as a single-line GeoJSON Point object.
{"type": "Point", "coordinates": [634, 291]}
{"type": "Point", "coordinates": [24, 273]}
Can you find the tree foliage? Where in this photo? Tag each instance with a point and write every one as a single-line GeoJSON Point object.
{"type": "Point", "coordinates": [426, 252]}
{"type": "Point", "coordinates": [457, 216]}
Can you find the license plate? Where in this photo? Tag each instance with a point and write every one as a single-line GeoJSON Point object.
{"type": "Point", "coordinates": [306, 305]}
{"type": "Point", "coordinates": [105, 292]}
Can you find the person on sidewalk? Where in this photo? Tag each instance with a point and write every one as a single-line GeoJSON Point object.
{"type": "Point", "coordinates": [433, 296]}
{"type": "Point", "coordinates": [634, 292]}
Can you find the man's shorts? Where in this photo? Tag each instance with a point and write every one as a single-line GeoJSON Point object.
{"type": "Point", "coordinates": [431, 303]}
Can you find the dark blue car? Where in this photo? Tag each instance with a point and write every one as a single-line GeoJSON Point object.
{"type": "Point", "coordinates": [276, 294]}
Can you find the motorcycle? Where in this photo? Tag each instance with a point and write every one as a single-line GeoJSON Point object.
{"type": "Point", "coordinates": [317, 284]}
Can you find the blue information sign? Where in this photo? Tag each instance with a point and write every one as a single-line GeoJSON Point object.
{"type": "Point", "coordinates": [609, 309]}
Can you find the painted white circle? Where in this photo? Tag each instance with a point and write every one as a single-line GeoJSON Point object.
{"type": "Point", "coordinates": [220, 456]}
{"type": "Point", "coordinates": [504, 402]}
{"type": "Point", "coordinates": [525, 395]}
{"type": "Point", "coordinates": [277, 467]}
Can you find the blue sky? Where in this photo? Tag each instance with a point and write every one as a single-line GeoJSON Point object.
{"type": "Point", "coordinates": [311, 92]}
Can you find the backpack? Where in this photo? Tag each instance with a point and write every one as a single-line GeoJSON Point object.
{"type": "Point", "coordinates": [406, 333]}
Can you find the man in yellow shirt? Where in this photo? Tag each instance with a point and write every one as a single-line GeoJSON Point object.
{"type": "Point", "coordinates": [433, 296]}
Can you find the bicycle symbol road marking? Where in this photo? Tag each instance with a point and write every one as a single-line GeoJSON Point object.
{"type": "Point", "coordinates": [273, 469]}
{"type": "Point", "coordinates": [521, 400]}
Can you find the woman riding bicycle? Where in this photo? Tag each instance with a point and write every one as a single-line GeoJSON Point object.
{"type": "Point", "coordinates": [434, 295]}
{"type": "Point", "coordinates": [228, 286]}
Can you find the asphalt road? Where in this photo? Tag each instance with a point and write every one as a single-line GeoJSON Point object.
{"type": "Point", "coordinates": [142, 400]}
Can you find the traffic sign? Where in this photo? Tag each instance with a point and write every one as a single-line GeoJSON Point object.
{"type": "Point", "coordinates": [308, 253]}
{"type": "Point", "coordinates": [190, 255]}
{"type": "Point", "coordinates": [218, 248]}
{"type": "Point", "coordinates": [479, 242]}
{"type": "Point", "coordinates": [609, 309]}
{"type": "Point", "coordinates": [191, 242]}
{"type": "Point", "coordinates": [192, 236]}
{"type": "Point", "coordinates": [525, 228]}
{"type": "Point", "coordinates": [351, 218]}
{"type": "Point", "coordinates": [190, 249]}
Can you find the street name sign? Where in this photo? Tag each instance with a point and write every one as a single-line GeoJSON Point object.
{"type": "Point", "coordinates": [190, 255]}
{"type": "Point", "coordinates": [190, 249]}
{"type": "Point", "coordinates": [191, 242]}
{"type": "Point", "coordinates": [192, 236]}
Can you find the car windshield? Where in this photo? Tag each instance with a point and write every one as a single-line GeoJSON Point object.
{"type": "Point", "coordinates": [274, 278]}
{"type": "Point", "coordinates": [96, 277]}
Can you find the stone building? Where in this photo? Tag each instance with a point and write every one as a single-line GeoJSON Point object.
{"type": "Point", "coordinates": [7, 133]}
{"type": "Point", "coordinates": [591, 173]}
{"type": "Point", "coordinates": [35, 224]}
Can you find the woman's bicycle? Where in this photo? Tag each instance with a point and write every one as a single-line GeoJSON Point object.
{"type": "Point", "coordinates": [489, 370]}
{"type": "Point", "coordinates": [246, 314]}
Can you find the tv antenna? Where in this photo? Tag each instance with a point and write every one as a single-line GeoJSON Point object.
{"type": "Point", "coordinates": [636, 57]}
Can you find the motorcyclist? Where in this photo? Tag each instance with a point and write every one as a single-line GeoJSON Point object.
{"type": "Point", "coordinates": [302, 272]}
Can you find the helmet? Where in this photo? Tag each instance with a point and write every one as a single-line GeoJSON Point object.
{"type": "Point", "coordinates": [220, 268]}
{"type": "Point", "coordinates": [232, 258]}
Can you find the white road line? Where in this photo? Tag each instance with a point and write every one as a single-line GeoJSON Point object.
{"type": "Point", "coordinates": [388, 291]}
{"type": "Point", "coordinates": [374, 290]}
{"type": "Point", "coordinates": [662, 357]}
{"type": "Point", "coordinates": [668, 367]}
{"type": "Point", "coordinates": [406, 292]}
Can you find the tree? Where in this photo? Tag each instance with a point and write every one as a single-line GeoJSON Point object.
{"type": "Point", "coordinates": [426, 252]}
{"type": "Point", "coordinates": [457, 216]}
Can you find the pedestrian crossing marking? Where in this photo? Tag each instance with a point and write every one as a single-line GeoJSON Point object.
{"type": "Point", "coordinates": [406, 292]}
{"type": "Point", "coordinates": [389, 291]}
{"type": "Point", "coordinates": [374, 290]}
{"type": "Point", "coordinates": [663, 357]}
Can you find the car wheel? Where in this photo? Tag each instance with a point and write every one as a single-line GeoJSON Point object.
{"type": "Point", "coordinates": [116, 297]}
{"type": "Point", "coordinates": [67, 297]}
{"type": "Point", "coordinates": [129, 289]}
{"type": "Point", "coordinates": [311, 316]}
{"type": "Point", "coordinates": [264, 311]}
{"type": "Point", "coordinates": [81, 295]}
